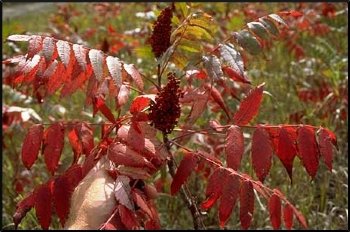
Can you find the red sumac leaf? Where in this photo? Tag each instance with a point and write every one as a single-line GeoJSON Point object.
{"type": "Point", "coordinates": [139, 199]}
{"type": "Point", "coordinates": [234, 147]}
{"type": "Point", "coordinates": [62, 193]}
{"type": "Point", "coordinates": [214, 188]}
{"type": "Point", "coordinates": [97, 61]}
{"type": "Point", "coordinates": [136, 138]}
{"type": "Point", "coordinates": [140, 102]}
{"type": "Point", "coordinates": [101, 106]}
{"type": "Point", "coordinates": [214, 92]}
{"type": "Point", "coordinates": [286, 151]}
{"type": "Point", "coordinates": [42, 204]}
{"type": "Point", "coordinates": [31, 145]}
{"type": "Point", "coordinates": [74, 175]}
{"type": "Point", "coordinates": [235, 75]}
{"type": "Point", "coordinates": [249, 107]}
{"type": "Point", "coordinates": [187, 165]}
{"type": "Point", "coordinates": [22, 208]}
{"type": "Point", "coordinates": [332, 136]}
{"type": "Point", "coordinates": [275, 211]}
{"type": "Point", "coordinates": [15, 38]}
{"type": "Point", "coordinates": [128, 218]}
{"type": "Point", "coordinates": [35, 45]}
{"type": "Point", "coordinates": [300, 217]}
{"type": "Point", "coordinates": [308, 149]}
{"type": "Point", "coordinates": [63, 49]}
{"type": "Point", "coordinates": [246, 198]}
{"type": "Point", "coordinates": [230, 194]}
{"type": "Point", "coordinates": [115, 69]}
{"type": "Point", "coordinates": [49, 49]}
{"type": "Point", "coordinates": [86, 136]}
{"type": "Point", "coordinates": [122, 192]}
{"type": "Point", "coordinates": [80, 55]}
{"type": "Point", "coordinates": [135, 75]}
{"type": "Point", "coordinates": [76, 83]}
{"type": "Point", "coordinates": [261, 153]}
{"type": "Point", "coordinates": [75, 143]}
{"type": "Point", "coordinates": [326, 148]}
{"type": "Point", "coordinates": [56, 79]}
{"type": "Point", "coordinates": [123, 95]}
{"type": "Point", "coordinates": [288, 216]}
{"type": "Point", "coordinates": [53, 145]}
{"type": "Point", "coordinates": [121, 154]}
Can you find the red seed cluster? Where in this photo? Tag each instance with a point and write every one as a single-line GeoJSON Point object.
{"type": "Point", "coordinates": [160, 39]}
{"type": "Point", "coordinates": [166, 110]}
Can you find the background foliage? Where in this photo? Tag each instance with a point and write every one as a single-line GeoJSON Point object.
{"type": "Point", "coordinates": [306, 85]}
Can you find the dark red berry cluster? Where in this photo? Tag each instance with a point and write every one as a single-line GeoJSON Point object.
{"type": "Point", "coordinates": [160, 39]}
{"type": "Point", "coordinates": [166, 110]}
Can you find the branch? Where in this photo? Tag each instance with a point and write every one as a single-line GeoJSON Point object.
{"type": "Point", "coordinates": [185, 192]}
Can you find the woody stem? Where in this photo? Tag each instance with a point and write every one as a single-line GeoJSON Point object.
{"type": "Point", "coordinates": [185, 193]}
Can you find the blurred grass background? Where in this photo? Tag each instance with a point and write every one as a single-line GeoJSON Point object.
{"type": "Point", "coordinates": [323, 201]}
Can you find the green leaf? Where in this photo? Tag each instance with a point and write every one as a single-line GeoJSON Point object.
{"type": "Point", "coordinates": [270, 26]}
{"type": "Point", "coordinates": [189, 46]}
{"type": "Point", "coordinates": [183, 7]}
{"type": "Point", "coordinates": [277, 19]}
{"type": "Point", "coordinates": [213, 66]}
{"type": "Point", "coordinates": [258, 29]}
{"type": "Point", "coordinates": [232, 57]}
{"type": "Point", "coordinates": [248, 42]}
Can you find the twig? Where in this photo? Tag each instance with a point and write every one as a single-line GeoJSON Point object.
{"type": "Point", "coordinates": [185, 192]}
